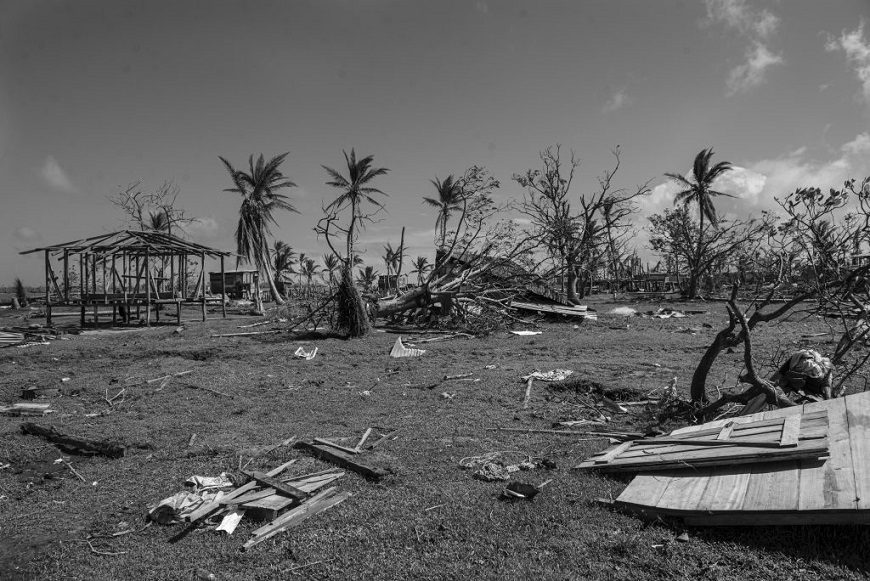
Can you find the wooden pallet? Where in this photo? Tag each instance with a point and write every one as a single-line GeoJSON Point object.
{"type": "Point", "coordinates": [835, 490]}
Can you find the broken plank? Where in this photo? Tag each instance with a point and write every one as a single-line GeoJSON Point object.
{"type": "Point", "coordinates": [317, 504]}
{"type": "Point", "coordinates": [362, 440]}
{"type": "Point", "coordinates": [613, 453]}
{"type": "Point", "coordinates": [691, 442]}
{"type": "Point", "coordinates": [210, 507]}
{"type": "Point", "coordinates": [281, 487]}
{"type": "Point", "coordinates": [336, 446]}
{"type": "Point", "coordinates": [343, 459]}
{"type": "Point", "coordinates": [269, 507]}
{"type": "Point", "coordinates": [725, 432]}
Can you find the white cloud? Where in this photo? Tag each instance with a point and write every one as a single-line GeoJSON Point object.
{"type": "Point", "coordinates": [751, 73]}
{"type": "Point", "coordinates": [617, 101]}
{"type": "Point", "coordinates": [203, 229]}
{"type": "Point", "coordinates": [26, 238]}
{"type": "Point", "coordinates": [755, 25]}
{"type": "Point", "coordinates": [757, 184]}
{"type": "Point", "coordinates": [56, 177]}
{"type": "Point", "coordinates": [736, 14]}
{"type": "Point", "coordinates": [857, 52]}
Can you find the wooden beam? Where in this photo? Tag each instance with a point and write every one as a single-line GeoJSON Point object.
{"type": "Point", "coordinates": [47, 291]}
{"type": "Point", "coordinates": [72, 444]}
{"type": "Point", "coordinates": [791, 430]}
{"type": "Point", "coordinates": [279, 486]}
{"type": "Point", "coordinates": [223, 289]}
{"type": "Point", "coordinates": [343, 459]}
{"type": "Point", "coordinates": [147, 291]}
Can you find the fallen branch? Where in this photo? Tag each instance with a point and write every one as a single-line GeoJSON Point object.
{"type": "Point", "coordinates": [73, 445]}
{"type": "Point", "coordinates": [528, 392]}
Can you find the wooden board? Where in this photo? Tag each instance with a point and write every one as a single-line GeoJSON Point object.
{"type": "Point", "coordinates": [343, 459]}
{"type": "Point", "coordinates": [832, 490]}
{"type": "Point", "coordinates": [763, 439]}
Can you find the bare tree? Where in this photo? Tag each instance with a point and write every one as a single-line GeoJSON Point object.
{"type": "Point", "coordinates": [573, 230]}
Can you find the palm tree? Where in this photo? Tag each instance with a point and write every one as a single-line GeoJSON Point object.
{"type": "Point", "coordinates": [699, 190]}
{"type": "Point", "coordinates": [309, 268]}
{"type": "Point", "coordinates": [391, 261]}
{"type": "Point", "coordinates": [450, 198]}
{"type": "Point", "coordinates": [367, 277]}
{"type": "Point", "coordinates": [300, 262]}
{"type": "Point", "coordinates": [330, 265]}
{"type": "Point", "coordinates": [282, 262]}
{"type": "Point", "coordinates": [355, 190]}
{"type": "Point", "coordinates": [158, 222]}
{"type": "Point", "coordinates": [260, 199]}
{"type": "Point", "coordinates": [421, 267]}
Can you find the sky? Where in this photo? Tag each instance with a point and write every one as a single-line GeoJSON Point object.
{"type": "Point", "coordinates": [95, 95]}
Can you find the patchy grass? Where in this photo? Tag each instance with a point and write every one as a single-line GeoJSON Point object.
{"type": "Point", "coordinates": [431, 519]}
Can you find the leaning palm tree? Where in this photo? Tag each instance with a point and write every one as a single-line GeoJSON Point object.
{"type": "Point", "coordinates": [330, 265]}
{"type": "Point", "coordinates": [300, 262]}
{"type": "Point", "coordinates": [699, 190]}
{"type": "Point", "coordinates": [259, 188]}
{"type": "Point", "coordinates": [421, 267]}
{"type": "Point", "coordinates": [450, 197]}
{"type": "Point", "coordinates": [282, 262]}
{"type": "Point", "coordinates": [355, 191]}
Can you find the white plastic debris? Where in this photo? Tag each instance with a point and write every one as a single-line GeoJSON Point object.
{"type": "Point", "coordinates": [307, 354]}
{"type": "Point", "coordinates": [554, 375]}
{"type": "Point", "coordinates": [399, 350]}
{"type": "Point", "coordinates": [526, 333]}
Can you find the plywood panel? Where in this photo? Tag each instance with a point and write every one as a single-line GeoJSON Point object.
{"type": "Point", "coordinates": [830, 484]}
{"type": "Point", "coordinates": [725, 490]}
{"type": "Point", "coordinates": [858, 417]}
{"type": "Point", "coordinates": [685, 489]}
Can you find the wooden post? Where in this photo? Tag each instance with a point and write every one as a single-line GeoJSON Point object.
{"type": "Point", "coordinates": [66, 275]}
{"type": "Point", "coordinates": [114, 293]}
{"type": "Point", "coordinates": [47, 290]}
{"type": "Point", "coordinates": [202, 267]}
{"type": "Point", "coordinates": [223, 289]}
{"type": "Point", "coordinates": [147, 291]}
{"type": "Point", "coordinates": [82, 286]}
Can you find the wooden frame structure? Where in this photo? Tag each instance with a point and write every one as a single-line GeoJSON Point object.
{"type": "Point", "coordinates": [127, 269]}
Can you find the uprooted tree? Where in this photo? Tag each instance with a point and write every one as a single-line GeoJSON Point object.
{"type": "Point", "coordinates": [577, 233]}
{"type": "Point", "coordinates": [357, 200]}
{"type": "Point", "coordinates": [817, 277]}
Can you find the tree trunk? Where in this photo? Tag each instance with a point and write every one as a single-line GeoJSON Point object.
{"type": "Point", "coordinates": [270, 276]}
{"type": "Point", "coordinates": [693, 285]}
{"type": "Point", "coordinates": [352, 317]}
{"type": "Point", "coordinates": [571, 286]}
{"type": "Point", "coordinates": [419, 297]}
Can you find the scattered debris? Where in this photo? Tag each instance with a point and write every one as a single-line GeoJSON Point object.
{"type": "Point", "coordinates": [247, 334]}
{"type": "Point", "coordinates": [399, 350]}
{"type": "Point", "coordinates": [25, 409]}
{"type": "Point", "coordinates": [307, 354]}
{"type": "Point", "coordinates": [526, 333]}
{"type": "Point", "coordinates": [683, 538]}
{"type": "Point", "coordinates": [622, 311]}
{"type": "Point", "coordinates": [35, 392]}
{"type": "Point", "coordinates": [554, 375]}
{"type": "Point", "coordinates": [449, 396]}
{"type": "Point", "coordinates": [73, 445]}
{"type": "Point", "coordinates": [522, 490]}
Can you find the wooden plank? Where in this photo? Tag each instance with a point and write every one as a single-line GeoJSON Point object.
{"type": "Point", "coordinates": [725, 489]}
{"type": "Point", "coordinates": [725, 432]}
{"type": "Point", "coordinates": [336, 446]}
{"type": "Point", "coordinates": [285, 489]}
{"type": "Point", "coordinates": [776, 485]}
{"type": "Point", "coordinates": [613, 453]}
{"type": "Point", "coordinates": [646, 489]}
{"type": "Point", "coordinates": [268, 507]}
{"type": "Point", "coordinates": [685, 489]}
{"type": "Point", "coordinates": [858, 417]}
{"type": "Point", "coordinates": [209, 507]}
{"type": "Point", "coordinates": [343, 459]}
{"type": "Point", "coordinates": [826, 485]}
{"type": "Point", "coordinates": [791, 427]}
{"type": "Point", "coordinates": [327, 499]}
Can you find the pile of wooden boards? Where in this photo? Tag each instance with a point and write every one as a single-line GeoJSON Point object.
{"type": "Point", "coordinates": [25, 409]}
{"type": "Point", "coordinates": [22, 336]}
{"type": "Point", "coordinates": [577, 311]}
{"type": "Point", "coordinates": [284, 501]}
{"type": "Point", "coordinates": [806, 464]}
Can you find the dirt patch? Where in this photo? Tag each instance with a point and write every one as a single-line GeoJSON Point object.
{"type": "Point", "coordinates": [584, 386]}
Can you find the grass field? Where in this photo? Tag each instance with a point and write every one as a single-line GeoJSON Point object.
{"type": "Point", "coordinates": [388, 530]}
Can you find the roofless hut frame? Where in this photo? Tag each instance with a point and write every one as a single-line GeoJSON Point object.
{"type": "Point", "coordinates": [128, 269]}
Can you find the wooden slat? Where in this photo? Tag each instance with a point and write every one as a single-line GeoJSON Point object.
{"type": "Point", "coordinates": [725, 432]}
{"type": "Point", "coordinates": [830, 484]}
{"type": "Point", "coordinates": [775, 485]}
{"type": "Point", "coordinates": [613, 453]}
{"type": "Point", "coordinates": [685, 489]}
{"type": "Point", "coordinates": [646, 488]}
{"type": "Point", "coordinates": [725, 490]}
{"type": "Point", "coordinates": [858, 417]}
{"type": "Point", "coordinates": [791, 427]}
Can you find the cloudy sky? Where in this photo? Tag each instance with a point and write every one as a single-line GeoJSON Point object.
{"type": "Point", "coordinates": [95, 95]}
